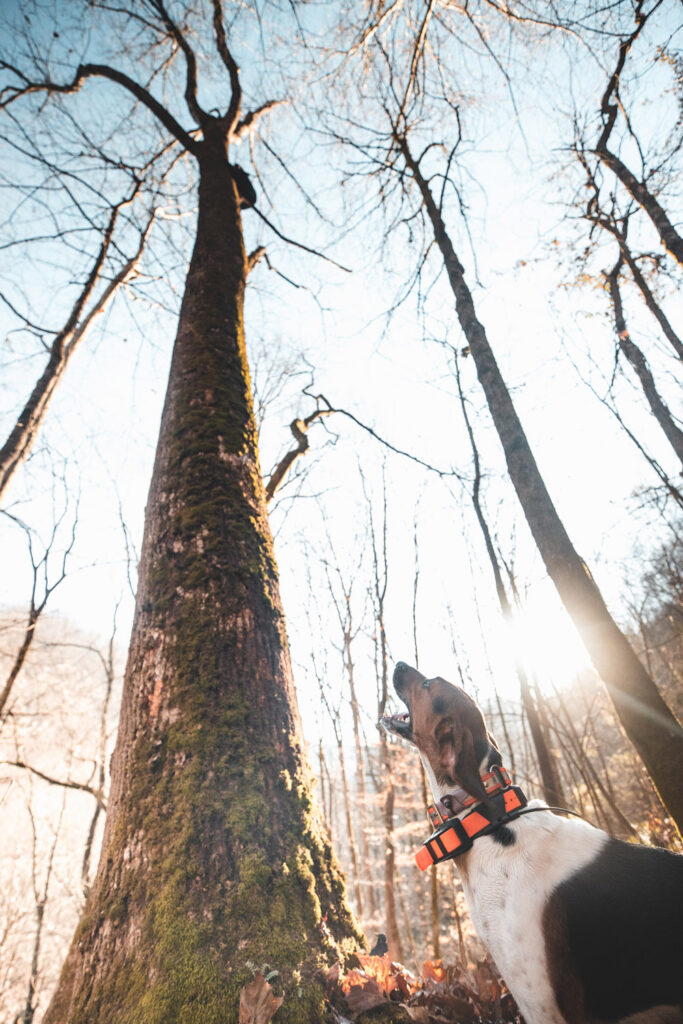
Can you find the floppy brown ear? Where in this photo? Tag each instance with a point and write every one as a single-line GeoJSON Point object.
{"type": "Point", "coordinates": [467, 767]}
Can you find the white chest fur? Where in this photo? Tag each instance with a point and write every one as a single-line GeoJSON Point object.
{"type": "Point", "coordinates": [507, 888]}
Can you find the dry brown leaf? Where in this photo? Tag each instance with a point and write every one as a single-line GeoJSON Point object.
{"type": "Point", "coordinates": [365, 996]}
{"type": "Point", "coordinates": [258, 1002]}
{"type": "Point", "coordinates": [433, 970]}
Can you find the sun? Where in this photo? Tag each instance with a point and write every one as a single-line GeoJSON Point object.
{"type": "Point", "coordinates": [545, 640]}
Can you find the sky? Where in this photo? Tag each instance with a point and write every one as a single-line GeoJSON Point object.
{"type": "Point", "coordinates": [392, 373]}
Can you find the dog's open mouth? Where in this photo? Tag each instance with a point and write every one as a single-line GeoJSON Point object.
{"type": "Point", "coordinates": [400, 724]}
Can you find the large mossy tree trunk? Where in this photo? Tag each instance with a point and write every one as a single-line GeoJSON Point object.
{"type": "Point", "coordinates": [645, 716]}
{"type": "Point", "coordinates": [213, 861]}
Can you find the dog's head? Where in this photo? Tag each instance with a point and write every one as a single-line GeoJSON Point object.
{"type": "Point", "coordinates": [448, 730]}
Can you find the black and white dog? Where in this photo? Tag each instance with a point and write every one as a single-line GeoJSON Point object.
{"type": "Point", "coordinates": [584, 928]}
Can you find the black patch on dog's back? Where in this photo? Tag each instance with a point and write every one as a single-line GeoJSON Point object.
{"type": "Point", "coordinates": [623, 915]}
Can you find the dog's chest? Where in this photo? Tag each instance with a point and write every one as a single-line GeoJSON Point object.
{"type": "Point", "coordinates": [507, 889]}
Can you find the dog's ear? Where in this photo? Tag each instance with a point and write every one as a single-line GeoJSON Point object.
{"type": "Point", "coordinates": [460, 756]}
{"type": "Point", "coordinates": [464, 743]}
{"type": "Point", "coordinates": [467, 765]}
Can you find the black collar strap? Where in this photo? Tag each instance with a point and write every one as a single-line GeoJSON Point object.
{"type": "Point", "coordinates": [455, 835]}
{"type": "Point", "coordinates": [459, 800]}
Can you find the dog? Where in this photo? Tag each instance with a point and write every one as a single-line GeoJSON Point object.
{"type": "Point", "coordinates": [584, 928]}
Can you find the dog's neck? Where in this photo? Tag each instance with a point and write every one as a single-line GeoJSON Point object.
{"type": "Point", "coordinates": [455, 833]}
{"type": "Point", "coordinates": [458, 801]}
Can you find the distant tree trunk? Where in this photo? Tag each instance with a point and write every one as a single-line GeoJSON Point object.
{"type": "Point", "coordinates": [609, 109]}
{"type": "Point", "coordinates": [393, 933]}
{"type": "Point", "coordinates": [552, 789]}
{"type": "Point", "coordinates": [17, 447]}
{"type": "Point", "coordinates": [353, 849]}
{"type": "Point", "coordinates": [462, 948]}
{"type": "Point", "coordinates": [671, 240]}
{"type": "Point", "coordinates": [551, 785]}
{"type": "Point", "coordinates": [213, 857]}
{"type": "Point", "coordinates": [433, 879]}
{"type": "Point", "coordinates": [635, 357]}
{"type": "Point", "coordinates": [362, 806]}
{"type": "Point", "coordinates": [649, 299]}
{"type": "Point", "coordinates": [379, 592]}
{"type": "Point", "coordinates": [645, 716]}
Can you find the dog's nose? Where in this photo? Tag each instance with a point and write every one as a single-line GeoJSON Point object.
{"type": "Point", "coordinates": [402, 676]}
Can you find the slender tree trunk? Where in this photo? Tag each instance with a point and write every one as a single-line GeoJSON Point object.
{"type": "Point", "coordinates": [393, 932]}
{"type": "Point", "coordinates": [433, 880]}
{"type": "Point", "coordinates": [552, 790]}
{"type": "Point", "coordinates": [382, 671]}
{"type": "Point", "coordinates": [645, 716]}
{"type": "Point", "coordinates": [212, 854]}
{"type": "Point", "coordinates": [551, 787]}
{"type": "Point", "coordinates": [407, 925]}
{"type": "Point", "coordinates": [649, 299]}
{"type": "Point", "coordinates": [21, 438]}
{"type": "Point", "coordinates": [362, 805]}
{"type": "Point", "coordinates": [637, 360]}
{"type": "Point", "coordinates": [671, 240]}
{"type": "Point", "coordinates": [353, 849]}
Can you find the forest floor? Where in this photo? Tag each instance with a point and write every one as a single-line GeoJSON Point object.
{"type": "Point", "coordinates": [379, 989]}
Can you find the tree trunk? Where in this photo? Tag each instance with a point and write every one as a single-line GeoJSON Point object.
{"type": "Point", "coordinates": [552, 790]}
{"type": "Point", "coordinates": [649, 299]}
{"type": "Point", "coordinates": [637, 360]}
{"type": "Point", "coordinates": [393, 933]}
{"type": "Point", "coordinates": [17, 447]}
{"type": "Point", "coordinates": [671, 240]}
{"type": "Point", "coordinates": [213, 858]}
{"type": "Point", "coordinates": [645, 716]}
{"type": "Point", "coordinates": [362, 805]}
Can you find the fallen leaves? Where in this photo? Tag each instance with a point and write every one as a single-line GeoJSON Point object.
{"type": "Point", "coordinates": [441, 994]}
{"type": "Point", "coordinates": [258, 1002]}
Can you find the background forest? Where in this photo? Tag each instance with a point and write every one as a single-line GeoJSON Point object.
{"type": "Point", "coordinates": [420, 168]}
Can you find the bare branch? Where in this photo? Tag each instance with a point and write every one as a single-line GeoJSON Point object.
{"type": "Point", "coordinates": [64, 783]}
{"type": "Point", "coordinates": [299, 429]}
{"type": "Point", "coordinates": [300, 245]}
{"type": "Point", "coordinates": [250, 119]}
{"type": "Point", "coordinates": [11, 93]}
{"type": "Point", "coordinates": [397, 451]}
{"type": "Point", "coordinates": [231, 117]}
{"type": "Point", "coordinates": [200, 116]}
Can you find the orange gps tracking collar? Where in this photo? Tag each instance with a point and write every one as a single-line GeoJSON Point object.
{"type": "Point", "coordinates": [455, 835]}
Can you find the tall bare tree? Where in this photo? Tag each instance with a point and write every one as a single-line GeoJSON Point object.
{"type": "Point", "coordinates": [213, 855]}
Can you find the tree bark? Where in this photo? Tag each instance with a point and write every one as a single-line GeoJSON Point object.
{"type": "Point", "coordinates": [645, 716]}
{"type": "Point", "coordinates": [213, 858]}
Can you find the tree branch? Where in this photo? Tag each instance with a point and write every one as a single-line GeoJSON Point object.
{"type": "Point", "coordinates": [64, 783]}
{"type": "Point", "coordinates": [397, 451]}
{"type": "Point", "coordinates": [231, 117]}
{"type": "Point", "coordinates": [299, 429]}
{"type": "Point", "coordinates": [200, 115]}
{"type": "Point", "coordinates": [252, 117]}
{"type": "Point", "coordinates": [11, 93]}
{"type": "Point", "coordinates": [300, 245]}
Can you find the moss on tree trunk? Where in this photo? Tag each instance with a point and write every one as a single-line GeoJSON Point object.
{"type": "Point", "coordinates": [213, 860]}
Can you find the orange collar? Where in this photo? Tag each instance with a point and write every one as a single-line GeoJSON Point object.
{"type": "Point", "coordinates": [454, 835]}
